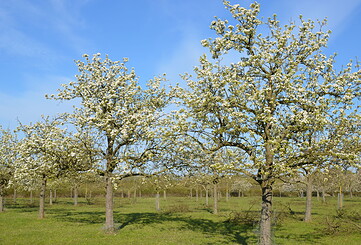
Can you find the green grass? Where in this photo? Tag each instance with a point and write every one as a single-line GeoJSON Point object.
{"type": "Point", "coordinates": [181, 221]}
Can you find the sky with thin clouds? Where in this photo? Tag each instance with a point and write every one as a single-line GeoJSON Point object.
{"type": "Point", "coordinates": [40, 39]}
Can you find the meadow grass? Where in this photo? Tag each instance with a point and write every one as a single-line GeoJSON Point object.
{"type": "Point", "coordinates": [181, 221]}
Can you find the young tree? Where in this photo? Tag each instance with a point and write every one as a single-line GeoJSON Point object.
{"type": "Point", "coordinates": [124, 119]}
{"type": "Point", "coordinates": [280, 87]}
{"type": "Point", "coordinates": [47, 151]}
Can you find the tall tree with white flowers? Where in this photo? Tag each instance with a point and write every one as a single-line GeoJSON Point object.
{"type": "Point", "coordinates": [280, 86]}
{"type": "Point", "coordinates": [124, 119]}
{"type": "Point", "coordinates": [7, 158]}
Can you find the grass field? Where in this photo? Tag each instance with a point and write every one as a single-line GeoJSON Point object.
{"type": "Point", "coordinates": [181, 221]}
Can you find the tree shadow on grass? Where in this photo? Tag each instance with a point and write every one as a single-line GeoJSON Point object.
{"type": "Point", "coordinates": [233, 233]}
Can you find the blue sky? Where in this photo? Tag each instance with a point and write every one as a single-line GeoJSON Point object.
{"type": "Point", "coordinates": [40, 39]}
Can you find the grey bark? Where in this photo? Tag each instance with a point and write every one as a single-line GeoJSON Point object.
{"type": "Point", "coordinates": [157, 201]}
{"type": "Point", "coordinates": [215, 199]}
{"type": "Point", "coordinates": [109, 218]}
{"type": "Point", "coordinates": [308, 217]}
{"type": "Point", "coordinates": [1, 200]}
{"type": "Point", "coordinates": [50, 197]}
{"type": "Point", "coordinates": [76, 194]}
{"type": "Point", "coordinates": [207, 199]}
{"type": "Point", "coordinates": [42, 199]}
{"type": "Point", "coordinates": [266, 211]}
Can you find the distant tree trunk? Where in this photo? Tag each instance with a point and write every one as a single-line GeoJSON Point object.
{"type": "Point", "coordinates": [323, 194]}
{"type": "Point", "coordinates": [15, 195]}
{"type": "Point", "coordinates": [157, 201]}
{"type": "Point", "coordinates": [128, 194]}
{"type": "Point", "coordinates": [197, 197]}
{"type": "Point", "coordinates": [76, 194]}
{"type": "Point", "coordinates": [239, 193]}
{"type": "Point", "coordinates": [191, 193]}
{"type": "Point", "coordinates": [227, 193]}
{"type": "Point", "coordinates": [1, 200]}
{"type": "Point", "coordinates": [55, 195]}
{"type": "Point", "coordinates": [109, 218]}
{"type": "Point", "coordinates": [207, 199]}
{"type": "Point", "coordinates": [165, 194]}
{"type": "Point", "coordinates": [215, 199]}
{"type": "Point", "coordinates": [31, 197]}
{"type": "Point", "coordinates": [308, 199]}
{"type": "Point", "coordinates": [42, 199]}
{"type": "Point", "coordinates": [140, 193]}
{"type": "Point", "coordinates": [340, 198]}
{"type": "Point", "coordinates": [266, 210]}
{"type": "Point", "coordinates": [121, 194]}
{"type": "Point", "coordinates": [50, 197]}
{"type": "Point", "coordinates": [318, 195]}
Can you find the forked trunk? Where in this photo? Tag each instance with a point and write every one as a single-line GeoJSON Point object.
{"type": "Point", "coordinates": [308, 199]}
{"type": "Point", "coordinates": [109, 218]}
{"type": "Point", "coordinates": [215, 199]}
{"type": "Point", "coordinates": [266, 211]}
{"type": "Point", "coordinates": [42, 200]}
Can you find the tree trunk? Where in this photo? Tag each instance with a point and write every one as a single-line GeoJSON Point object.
{"type": "Point", "coordinates": [109, 217]}
{"type": "Point", "coordinates": [323, 195]}
{"type": "Point", "coordinates": [42, 199]}
{"type": "Point", "coordinates": [76, 195]}
{"type": "Point", "coordinates": [157, 201]}
{"type": "Point", "coordinates": [50, 197]}
{"type": "Point", "coordinates": [227, 193]}
{"type": "Point", "coordinates": [197, 196]}
{"type": "Point", "coordinates": [1, 200]}
{"type": "Point", "coordinates": [15, 195]}
{"type": "Point", "coordinates": [207, 200]}
{"type": "Point", "coordinates": [340, 198]}
{"type": "Point", "coordinates": [308, 199]}
{"type": "Point", "coordinates": [215, 199]}
{"type": "Point", "coordinates": [55, 196]}
{"type": "Point", "coordinates": [164, 194]}
{"type": "Point", "coordinates": [266, 211]}
{"type": "Point", "coordinates": [31, 197]}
